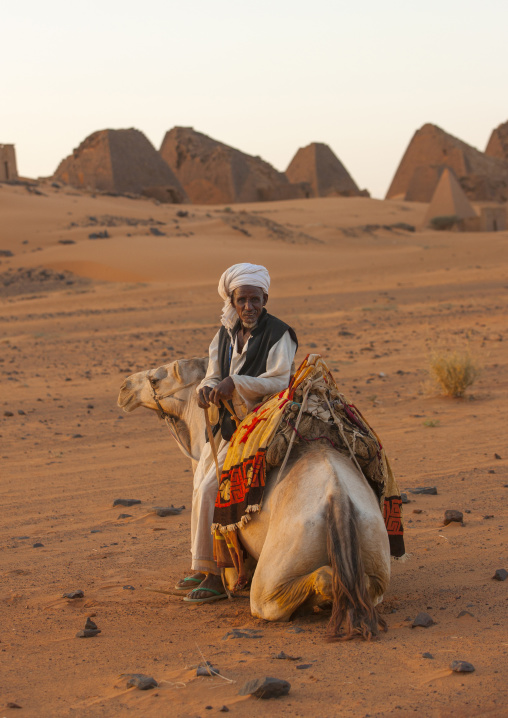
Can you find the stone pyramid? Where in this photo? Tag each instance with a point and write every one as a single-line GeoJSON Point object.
{"type": "Point", "coordinates": [431, 148]}
{"type": "Point", "coordinates": [212, 172]}
{"type": "Point", "coordinates": [322, 170]}
{"type": "Point", "coordinates": [498, 143]}
{"type": "Point", "coordinates": [120, 161]}
{"type": "Point", "coordinates": [449, 200]}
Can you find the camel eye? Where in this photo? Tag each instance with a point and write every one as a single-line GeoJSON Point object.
{"type": "Point", "coordinates": [153, 380]}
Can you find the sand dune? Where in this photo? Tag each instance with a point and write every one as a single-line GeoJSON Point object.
{"type": "Point", "coordinates": [374, 299]}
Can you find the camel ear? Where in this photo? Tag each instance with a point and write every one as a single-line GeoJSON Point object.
{"type": "Point", "coordinates": [176, 372]}
{"type": "Point", "coordinates": [189, 370]}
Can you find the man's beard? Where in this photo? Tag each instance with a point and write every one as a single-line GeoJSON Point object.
{"type": "Point", "coordinates": [249, 323]}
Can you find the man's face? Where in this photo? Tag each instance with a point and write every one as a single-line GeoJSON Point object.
{"type": "Point", "coordinates": [249, 302]}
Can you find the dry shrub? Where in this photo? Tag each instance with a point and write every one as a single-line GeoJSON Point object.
{"type": "Point", "coordinates": [454, 371]}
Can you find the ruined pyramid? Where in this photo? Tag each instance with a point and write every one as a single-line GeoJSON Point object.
{"type": "Point", "coordinates": [430, 150]}
{"type": "Point", "coordinates": [322, 170]}
{"type": "Point", "coordinates": [449, 200]}
{"type": "Point", "coordinates": [212, 172]}
{"type": "Point", "coordinates": [120, 161]}
{"type": "Point", "coordinates": [498, 143]}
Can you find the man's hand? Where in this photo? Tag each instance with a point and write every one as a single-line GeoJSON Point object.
{"type": "Point", "coordinates": [224, 390]}
{"type": "Point", "coordinates": [204, 397]}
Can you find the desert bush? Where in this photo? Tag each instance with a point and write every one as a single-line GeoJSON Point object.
{"type": "Point", "coordinates": [454, 371]}
{"type": "Point", "coordinates": [443, 223]}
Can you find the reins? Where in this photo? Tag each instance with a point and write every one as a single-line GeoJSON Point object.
{"type": "Point", "coordinates": [170, 421]}
{"type": "Point", "coordinates": [172, 428]}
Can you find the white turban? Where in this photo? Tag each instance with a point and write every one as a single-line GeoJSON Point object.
{"type": "Point", "coordinates": [240, 275]}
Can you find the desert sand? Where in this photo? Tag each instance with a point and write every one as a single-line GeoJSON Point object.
{"type": "Point", "coordinates": [375, 300]}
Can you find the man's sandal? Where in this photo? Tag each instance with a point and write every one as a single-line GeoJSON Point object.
{"type": "Point", "coordinates": [188, 582]}
{"type": "Point", "coordinates": [217, 595]}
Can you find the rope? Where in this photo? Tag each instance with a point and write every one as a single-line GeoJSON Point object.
{"type": "Point", "coordinates": [211, 440]}
{"type": "Point", "coordinates": [292, 440]}
{"type": "Point", "coordinates": [338, 424]}
{"type": "Point", "coordinates": [315, 438]}
{"type": "Point", "coordinates": [171, 424]}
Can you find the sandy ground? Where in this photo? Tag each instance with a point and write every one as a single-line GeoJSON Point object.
{"type": "Point", "coordinates": [374, 300]}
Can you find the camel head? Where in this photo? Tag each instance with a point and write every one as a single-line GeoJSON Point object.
{"type": "Point", "coordinates": [166, 380]}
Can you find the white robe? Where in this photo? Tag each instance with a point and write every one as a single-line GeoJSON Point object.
{"type": "Point", "coordinates": [249, 390]}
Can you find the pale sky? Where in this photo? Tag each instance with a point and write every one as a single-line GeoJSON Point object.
{"type": "Point", "coordinates": [266, 77]}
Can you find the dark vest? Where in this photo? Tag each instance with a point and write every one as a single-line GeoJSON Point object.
{"type": "Point", "coordinates": [268, 331]}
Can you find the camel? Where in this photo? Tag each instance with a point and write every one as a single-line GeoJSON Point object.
{"type": "Point", "coordinates": [320, 538]}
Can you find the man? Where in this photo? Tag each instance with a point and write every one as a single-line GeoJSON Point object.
{"type": "Point", "coordinates": [250, 357]}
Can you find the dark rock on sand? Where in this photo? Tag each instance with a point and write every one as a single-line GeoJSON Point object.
{"type": "Point", "coordinates": [37, 545]}
{"type": "Point", "coordinates": [284, 657]}
{"type": "Point", "coordinates": [207, 669]}
{"type": "Point", "coordinates": [126, 502]}
{"type": "Point", "coordinates": [500, 575]}
{"type": "Point", "coordinates": [156, 232]}
{"type": "Point", "coordinates": [265, 688]}
{"type": "Point", "coordinates": [74, 594]}
{"type": "Point", "coordinates": [303, 666]}
{"type": "Point", "coordinates": [99, 235]}
{"type": "Point", "coordinates": [427, 655]}
{"type": "Point", "coordinates": [465, 613]}
{"type": "Point", "coordinates": [128, 587]}
{"type": "Point", "coordinates": [90, 625]}
{"type": "Point", "coordinates": [496, 456]}
{"type": "Point", "coordinates": [430, 490]}
{"type": "Point", "coordinates": [423, 619]}
{"type": "Point", "coordinates": [168, 510]}
{"type": "Point", "coordinates": [242, 633]}
{"type": "Point", "coordinates": [451, 515]}
{"type": "Point", "coordinates": [88, 633]}
{"type": "Point", "coordinates": [461, 667]}
{"type": "Point", "coordinates": [224, 709]}
{"type": "Point", "coordinates": [8, 413]}
{"type": "Point", "coordinates": [139, 680]}
{"type": "Point", "coordinates": [404, 498]}
{"type": "Point", "coordinates": [124, 516]}
{"type": "Point", "coordinates": [11, 704]}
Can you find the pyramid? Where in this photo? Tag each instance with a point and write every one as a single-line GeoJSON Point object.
{"type": "Point", "coordinates": [318, 166]}
{"type": "Point", "coordinates": [498, 143]}
{"type": "Point", "coordinates": [120, 161]}
{"type": "Point", "coordinates": [449, 200]}
{"type": "Point", "coordinates": [431, 148]}
{"type": "Point", "coordinates": [212, 172]}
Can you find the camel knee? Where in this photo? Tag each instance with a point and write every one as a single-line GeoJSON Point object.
{"type": "Point", "coordinates": [376, 586]}
{"type": "Point", "coordinates": [268, 610]}
{"type": "Point", "coordinates": [279, 603]}
{"type": "Point", "coordinates": [322, 585]}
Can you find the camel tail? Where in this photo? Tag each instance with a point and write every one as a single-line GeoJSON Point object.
{"type": "Point", "coordinates": [353, 612]}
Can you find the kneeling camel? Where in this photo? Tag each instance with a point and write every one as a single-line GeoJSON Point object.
{"type": "Point", "coordinates": [320, 538]}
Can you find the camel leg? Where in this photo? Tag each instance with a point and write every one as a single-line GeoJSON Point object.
{"type": "Point", "coordinates": [286, 576]}
{"type": "Point", "coordinates": [279, 601]}
{"type": "Point", "coordinates": [292, 566]}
